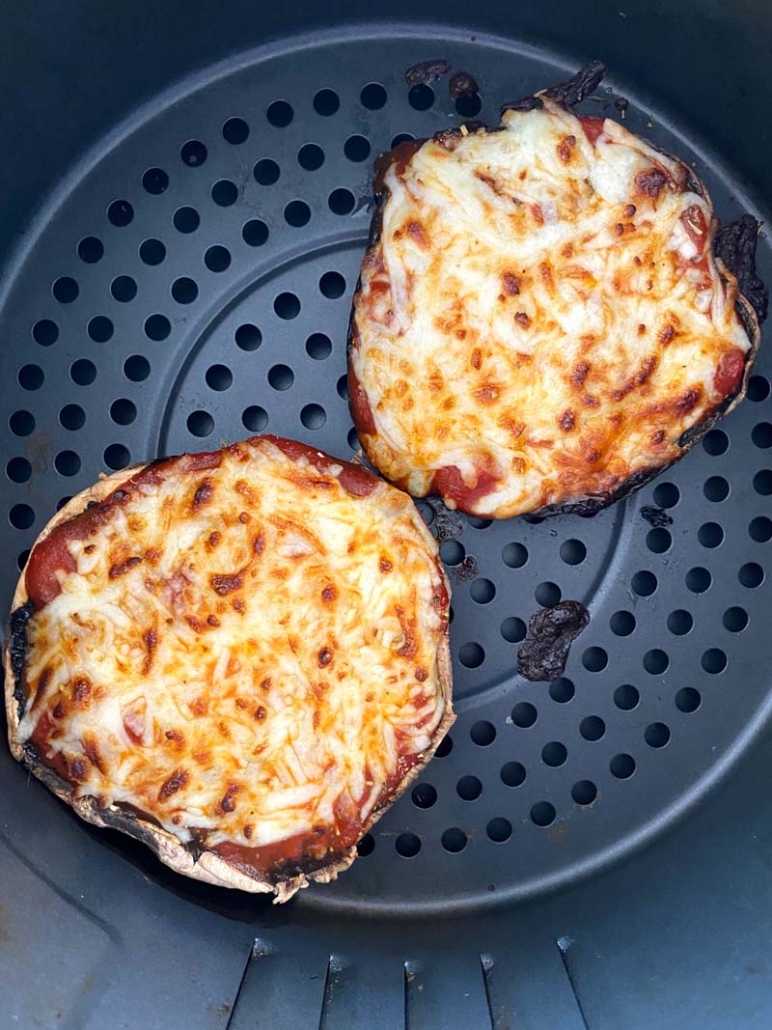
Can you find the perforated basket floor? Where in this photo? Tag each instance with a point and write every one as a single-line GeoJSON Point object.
{"type": "Point", "coordinates": [190, 284]}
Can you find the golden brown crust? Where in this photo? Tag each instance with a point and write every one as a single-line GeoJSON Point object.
{"type": "Point", "coordinates": [204, 865]}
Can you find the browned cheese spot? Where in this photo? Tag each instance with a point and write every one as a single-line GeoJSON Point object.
{"type": "Point", "coordinates": [91, 748]}
{"type": "Point", "coordinates": [522, 319]}
{"type": "Point", "coordinates": [224, 584]}
{"type": "Point", "coordinates": [417, 232]}
{"type": "Point", "coordinates": [248, 830]}
{"type": "Point", "coordinates": [244, 518]}
{"type": "Point", "coordinates": [579, 374]}
{"type": "Point", "coordinates": [385, 565]}
{"type": "Point", "coordinates": [176, 781]}
{"type": "Point", "coordinates": [150, 640]}
{"type": "Point", "coordinates": [176, 737]}
{"type": "Point", "coordinates": [641, 329]}
{"type": "Point", "coordinates": [644, 373]}
{"type": "Point", "coordinates": [666, 334]}
{"type": "Point", "coordinates": [689, 400]}
{"type": "Point", "coordinates": [421, 674]}
{"type": "Point", "coordinates": [650, 182]}
{"type": "Point", "coordinates": [81, 692]}
{"type": "Point", "coordinates": [59, 710]}
{"type": "Point", "coordinates": [265, 684]}
{"type": "Point", "coordinates": [78, 769]}
{"type": "Point", "coordinates": [324, 657]}
{"type": "Point", "coordinates": [121, 568]}
{"type": "Point", "coordinates": [329, 593]}
{"type": "Point", "coordinates": [658, 437]}
{"type": "Point", "coordinates": [510, 283]}
{"type": "Point", "coordinates": [566, 149]}
{"type": "Point", "coordinates": [212, 621]}
{"type": "Point", "coordinates": [260, 713]}
{"type": "Point", "coordinates": [203, 494]}
{"type": "Point", "coordinates": [567, 421]}
{"type": "Point", "coordinates": [475, 359]}
{"type": "Point", "coordinates": [630, 210]}
{"type": "Point", "coordinates": [228, 801]}
{"type": "Point", "coordinates": [487, 393]}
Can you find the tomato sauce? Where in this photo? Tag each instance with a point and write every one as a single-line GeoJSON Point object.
{"type": "Point", "coordinates": [449, 483]}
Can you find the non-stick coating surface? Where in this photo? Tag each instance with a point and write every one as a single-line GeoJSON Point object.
{"type": "Point", "coordinates": [190, 284]}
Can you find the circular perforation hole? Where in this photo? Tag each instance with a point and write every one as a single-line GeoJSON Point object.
{"type": "Point", "coordinates": [65, 289]}
{"type": "Point", "coordinates": [255, 418]}
{"type": "Point", "coordinates": [401, 137]}
{"type": "Point", "coordinates": [21, 516]}
{"type": "Point", "coordinates": [116, 456]}
{"type": "Point", "coordinates": [45, 332]}
{"type": "Point", "coordinates": [622, 623]}
{"type": "Point", "coordinates": [762, 482]}
{"type": "Point", "coordinates": [547, 594]}
{"type": "Point", "coordinates": [716, 489]}
{"type": "Point", "coordinates": [688, 700]}
{"type": "Point", "coordinates": [452, 552]}
{"type": "Point", "coordinates": [366, 846]}
{"type": "Point", "coordinates": [595, 659]}
{"type": "Point", "coordinates": [120, 213]}
{"type": "Point", "coordinates": [760, 529]}
{"type": "Point", "coordinates": [680, 622]}
{"type": "Point", "coordinates": [483, 733]}
{"type": "Point", "coordinates": [658, 540]}
{"type": "Point", "coordinates": [67, 463]}
{"type": "Point", "coordinates": [513, 774]}
{"type": "Point", "coordinates": [513, 630]}
{"type": "Point", "coordinates": [408, 845]}
{"type": "Point", "coordinates": [100, 329]}
{"type": "Point", "coordinates": [424, 795]}
{"type": "Point", "coordinates": [482, 591]}
{"type": "Point", "coordinates": [751, 574]}
{"type": "Point", "coordinates": [471, 655]}
{"type": "Point", "coordinates": [543, 813]}
{"type": "Point", "coordinates": [287, 306]}
{"type": "Point", "coordinates": [499, 829]}
{"type": "Point", "coordinates": [248, 337]}
{"type": "Point", "coordinates": [655, 661]}
{"type": "Point", "coordinates": [225, 193]}
{"type": "Point", "coordinates": [524, 715]}
{"type": "Point", "coordinates": [267, 172]}
{"type": "Point", "coordinates": [297, 213]}
{"type": "Point", "coordinates": [123, 411]}
{"type": "Point", "coordinates": [515, 555]}
{"type": "Point", "coordinates": [200, 423]}
{"type": "Point", "coordinates": [656, 734]}
{"type": "Point", "coordinates": [454, 840]}
{"type": "Point", "coordinates": [698, 580]}
{"type": "Point", "coordinates": [155, 181]}
{"type": "Point", "coordinates": [644, 583]}
{"type": "Point", "coordinates": [341, 201]}
{"type": "Point", "coordinates": [627, 697]}
{"type": "Point", "coordinates": [157, 327]}
{"type": "Point", "coordinates": [83, 372]}
{"type": "Point", "coordinates": [18, 470]}
{"type": "Point", "coordinates": [72, 417]}
{"type": "Point", "coordinates": [710, 535]}
{"type": "Point", "coordinates": [573, 552]}
{"type": "Point", "coordinates": [217, 259]}
{"type": "Point", "coordinates": [136, 368]}
{"type": "Point", "coordinates": [31, 377]}
{"type": "Point", "coordinates": [666, 495]}
{"type": "Point", "coordinates": [469, 105]}
{"type": "Point", "coordinates": [622, 766]}
{"type": "Point", "coordinates": [280, 114]}
{"type": "Point", "coordinates": [584, 792]}
{"type": "Point", "coordinates": [445, 747]}
{"type": "Point", "coordinates": [152, 251]}
{"type": "Point", "coordinates": [735, 619]}
{"type": "Point", "coordinates": [326, 102]}
{"type": "Point", "coordinates": [373, 96]}
{"type": "Point", "coordinates": [235, 131]}
{"type": "Point", "coordinates": [313, 416]}
{"type": "Point", "coordinates": [713, 661]}
{"type": "Point", "coordinates": [420, 97]}
{"type": "Point", "coordinates": [281, 377]}
{"type": "Point", "coordinates": [184, 290]}
{"type": "Point", "coordinates": [469, 788]}
{"type": "Point", "coordinates": [562, 690]}
{"type": "Point", "coordinates": [592, 727]}
{"type": "Point", "coordinates": [758, 389]}
{"type": "Point", "coordinates": [342, 387]}
{"type": "Point", "coordinates": [357, 148]}
{"type": "Point", "coordinates": [193, 153]}
{"type": "Point", "coordinates": [186, 220]}
{"type": "Point", "coordinates": [90, 250]}
{"type": "Point", "coordinates": [715, 442]}
{"type": "Point", "coordinates": [123, 288]}
{"type": "Point", "coordinates": [332, 285]}
{"type": "Point", "coordinates": [311, 157]}
{"type": "Point", "coordinates": [554, 754]}
{"type": "Point", "coordinates": [219, 377]}
{"type": "Point", "coordinates": [254, 232]}
{"type": "Point", "coordinates": [761, 434]}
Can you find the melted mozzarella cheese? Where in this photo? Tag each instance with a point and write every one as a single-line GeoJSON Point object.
{"type": "Point", "coordinates": [243, 652]}
{"type": "Point", "coordinates": [539, 308]}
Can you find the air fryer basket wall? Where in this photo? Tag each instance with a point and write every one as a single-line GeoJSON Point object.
{"type": "Point", "coordinates": [180, 274]}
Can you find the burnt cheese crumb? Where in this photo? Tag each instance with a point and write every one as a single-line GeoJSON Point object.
{"type": "Point", "coordinates": [551, 631]}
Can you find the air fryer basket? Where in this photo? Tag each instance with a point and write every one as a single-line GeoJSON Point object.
{"type": "Point", "coordinates": [186, 281]}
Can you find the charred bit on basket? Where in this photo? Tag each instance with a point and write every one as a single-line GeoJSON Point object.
{"type": "Point", "coordinates": [569, 93]}
{"type": "Point", "coordinates": [656, 517]}
{"type": "Point", "coordinates": [551, 631]}
{"type": "Point", "coordinates": [462, 84]}
{"type": "Point", "coordinates": [466, 571]}
{"type": "Point", "coordinates": [448, 524]}
{"type": "Point", "coordinates": [735, 245]}
{"type": "Point", "coordinates": [425, 72]}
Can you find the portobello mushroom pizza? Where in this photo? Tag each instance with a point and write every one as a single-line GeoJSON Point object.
{"type": "Point", "coordinates": [544, 320]}
{"type": "Point", "coordinates": [237, 657]}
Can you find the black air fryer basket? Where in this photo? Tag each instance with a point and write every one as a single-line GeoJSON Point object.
{"type": "Point", "coordinates": [185, 201]}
